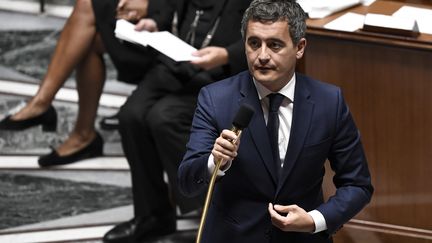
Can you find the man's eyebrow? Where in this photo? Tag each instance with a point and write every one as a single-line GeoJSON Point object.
{"type": "Point", "coordinates": [269, 39]}
{"type": "Point", "coordinates": [275, 40]}
{"type": "Point", "coordinates": [252, 37]}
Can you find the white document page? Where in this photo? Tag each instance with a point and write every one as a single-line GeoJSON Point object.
{"type": "Point", "coordinates": [163, 41]}
{"type": "Point", "coordinates": [126, 31]}
{"type": "Point", "coordinates": [388, 21]}
{"type": "Point", "coordinates": [421, 15]}
{"type": "Point", "coordinates": [172, 46]}
{"type": "Point", "coordinates": [323, 8]}
{"type": "Point", "coordinates": [367, 2]}
{"type": "Point", "coordinates": [348, 22]}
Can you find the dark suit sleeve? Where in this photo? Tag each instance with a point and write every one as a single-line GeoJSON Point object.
{"type": "Point", "coordinates": [236, 61]}
{"type": "Point", "coordinates": [193, 172]}
{"type": "Point", "coordinates": [162, 12]}
{"type": "Point", "coordinates": [228, 36]}
{"type": "Point", "coordinates": [236, 57]}
{"type": "Point", "coordinates": [352, 178]}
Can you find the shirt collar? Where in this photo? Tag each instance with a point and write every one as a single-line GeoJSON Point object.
{"type": "Point", "coordinates": [287, 90]}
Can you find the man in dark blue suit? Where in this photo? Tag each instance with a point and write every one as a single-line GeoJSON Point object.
{"type": "Point", "coordinates": [262, 195]}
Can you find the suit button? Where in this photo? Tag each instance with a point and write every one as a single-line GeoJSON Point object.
{"type": "Point", "coordinates": [199, 181]}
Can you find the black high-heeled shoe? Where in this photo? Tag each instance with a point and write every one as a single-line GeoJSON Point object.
{"type": "Point", "coordinates": [93, 149]}
{"type": "Point", "coordinates": [48, 120]}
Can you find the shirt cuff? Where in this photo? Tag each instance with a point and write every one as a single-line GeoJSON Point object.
{"type": "Point", "coordinates": [319, 220]}
{"type": "Point", "coordinates": [211, 166]}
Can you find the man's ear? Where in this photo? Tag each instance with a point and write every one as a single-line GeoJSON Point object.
{"type": "Point", "coordinates": [301, 46]}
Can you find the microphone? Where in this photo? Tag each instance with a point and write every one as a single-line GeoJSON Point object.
{"type": "Point", "coordinates": [241, 121]}
{"type": "Point", "coordinates": [242, 118]}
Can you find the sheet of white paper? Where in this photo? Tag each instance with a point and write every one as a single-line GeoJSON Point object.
{"type": "Point", "coordinates": [305, 4]}
{"type": "Point", "coordinates": [163, 41]}
{"type": "Point", "coordinates": [347, 22]}
{"type": "Point", "coordinates": [126, 31]}
{"type": "Point", "coordinates": [421, 15]}
{"type": "Point", "coordinates": [323, 8]}
{"type": "Point", "coordinates": [388, 21]}
{"type": "Point", "coordinates": [367, 2]}
{"type": "Point", "coordinates": [172, 46]}
{"type": "Point", "coordinates": [308, 5]}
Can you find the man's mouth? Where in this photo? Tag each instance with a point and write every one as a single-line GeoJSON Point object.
{"type": "Point", "coordinates": [263, 68]}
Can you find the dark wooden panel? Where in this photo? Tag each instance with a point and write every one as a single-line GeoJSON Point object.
{"type": "Point", "coordinates": [354, 233]}
{"type": "Point", "coordinates": [388, 89]}
{"type": "Point", "coordinates": [387, 82]}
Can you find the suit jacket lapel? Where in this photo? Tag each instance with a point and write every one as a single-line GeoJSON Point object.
{"type": "Point", "coordinates": [257, 127]}
{"type": "Point", "coordinates": [302, 114]}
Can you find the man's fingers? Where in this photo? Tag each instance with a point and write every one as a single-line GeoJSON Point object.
{"type": "Point", "coordinates": [220, 155]}
{"type": "Point", "coordinates": [285, 209]}
{"type": "Point", "coordinates": [228, 135]}
{"type": "Point", "coordinates": [225, 155]}
{"type": "Point", "coordinates": [277, 219]}
{"type": "Point", "coordinates": [225, 147]}
{"type": "Point", "coordinates": [274, 214]}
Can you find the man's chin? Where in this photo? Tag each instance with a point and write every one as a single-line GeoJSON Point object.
{"type": "Point", "coordinates": [262, 76]}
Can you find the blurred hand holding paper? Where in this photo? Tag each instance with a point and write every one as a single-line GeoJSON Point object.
{"type": "Point", "coordinates": [163, 41]}
{"type": "Point", "coordinates": [126, 31]}
{"type": "Point", "coordinates": [172, 46]}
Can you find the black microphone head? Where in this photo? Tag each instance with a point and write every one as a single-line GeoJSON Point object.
{"type": "Point", "coordinates": [243, 116]}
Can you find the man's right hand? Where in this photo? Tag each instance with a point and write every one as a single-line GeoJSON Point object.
{"type": "Point", "coordinates": [225, 147]}
{"type": "Point", "coordinates": [132, 10]}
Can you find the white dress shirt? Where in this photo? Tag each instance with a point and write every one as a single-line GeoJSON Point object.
{"type": "Point", "coordinates": [285, 119]}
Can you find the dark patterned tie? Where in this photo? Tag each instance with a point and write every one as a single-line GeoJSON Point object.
{"type": "Point", "coordinates": [273, 125]}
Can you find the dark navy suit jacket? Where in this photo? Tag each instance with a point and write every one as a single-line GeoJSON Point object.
{"type": "Point", "coordinates": [322, 128]}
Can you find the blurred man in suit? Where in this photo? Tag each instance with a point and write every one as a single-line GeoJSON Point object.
{"type": "Point", "coordinates": [270, 185]}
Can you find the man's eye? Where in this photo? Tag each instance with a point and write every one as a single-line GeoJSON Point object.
{"type": "Point", "coordinates": [275, 46]}
{"type": "Point", "coordinates": [253, 44]}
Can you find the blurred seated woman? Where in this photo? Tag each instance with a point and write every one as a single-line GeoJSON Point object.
{"type": "Point", "coordinates": [88, 32]}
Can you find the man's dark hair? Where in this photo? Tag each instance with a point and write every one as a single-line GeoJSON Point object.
{"type": "Point", "coordinates": [276, 10]}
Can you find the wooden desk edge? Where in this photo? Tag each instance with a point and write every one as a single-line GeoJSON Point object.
{"type": "Point", "coordinates": [422, 42]}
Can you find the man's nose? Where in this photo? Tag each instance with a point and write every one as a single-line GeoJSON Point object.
{"type": "Point", "coordinates": [263, 55]}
